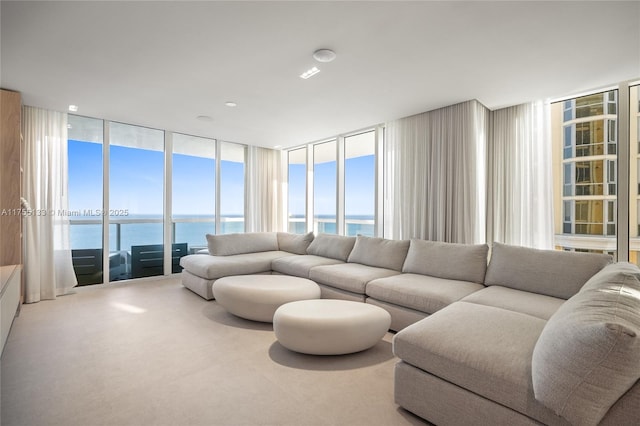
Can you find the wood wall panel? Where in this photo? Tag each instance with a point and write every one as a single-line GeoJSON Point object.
{"type": "Point", "coordinates": [10, 179]}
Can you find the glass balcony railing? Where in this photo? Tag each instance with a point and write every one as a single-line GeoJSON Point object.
{"type": "Point", "coordinates": [364, 225]}
{"type": "Point", "coordinates": [127, 235]}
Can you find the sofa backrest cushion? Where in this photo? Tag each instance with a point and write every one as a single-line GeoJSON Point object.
{"type": "Point", "coordinates": [332, 246]}
{"type": "Point", "coordinates": [588, 354]}
{"type": "Point", "coordinates": [550, 272]}
{"type": "Point", "coordinates": [463, 262]}
{"type": "Point", "coordinates": [241, 243]}
{"type": "Point", "coordinates": [294, 243]}
{"type": "Point", "coordinates": [379, 252]}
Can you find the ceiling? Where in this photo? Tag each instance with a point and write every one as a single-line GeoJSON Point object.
{"type": "Point", "coordinates": [163, 64]}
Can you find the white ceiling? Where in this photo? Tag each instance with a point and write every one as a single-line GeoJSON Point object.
{"type": "Point", "coordinates": [162, 64]}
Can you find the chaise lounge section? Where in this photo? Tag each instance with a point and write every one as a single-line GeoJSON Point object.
{"type": "Point", "coordinates": [237, 254]}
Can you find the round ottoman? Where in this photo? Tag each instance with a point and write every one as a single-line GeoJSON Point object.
{"type": "Point", "coordinates": [256, 297]}
{"type": "Point", "coordinates": [329, 327]}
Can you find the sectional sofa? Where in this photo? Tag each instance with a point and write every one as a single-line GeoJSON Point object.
{"type": "Point", "coordinates": [526, 337]}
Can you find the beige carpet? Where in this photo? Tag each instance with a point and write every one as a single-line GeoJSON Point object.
{"type": "Point", "coordinates": [153, 353]}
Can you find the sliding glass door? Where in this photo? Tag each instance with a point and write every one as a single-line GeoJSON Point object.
{"type": "Point", "coordinates": [325, 187]}
{"type": "Point", "coordinates": [193, 190]}
{"type": "Point", "coordinates": [136, 194]}
{"type": "Point", "coordinates": [84, 148]}
{"type": "Point", "coordinates": [297, 191]}
{"type": "Point", "coordinates": [360, 184]}
{"type": "Point", "coordinates": [232, 161]}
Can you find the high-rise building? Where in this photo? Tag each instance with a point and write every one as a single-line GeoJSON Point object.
{"type": "Point", "coordinates": [585, 159]}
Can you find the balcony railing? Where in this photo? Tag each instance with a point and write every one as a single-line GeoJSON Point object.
{"type": "Point", "coordinates": [116, 237]}
{"type": "Point", "coordinates": [353, 226]}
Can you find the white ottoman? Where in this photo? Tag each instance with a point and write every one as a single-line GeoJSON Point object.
{"type": "Point", "coordinates": [256, 297]}
{"type": "Point", "coordinates": [329, 327]}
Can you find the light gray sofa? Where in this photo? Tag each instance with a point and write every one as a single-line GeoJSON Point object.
{"type": "Point", "coordinates": [503, 343]}
{"type": "Point", "coordinates": [388, 273]}
{"type": "Point", "coordinates": [519, 353]}
{"type": "Point", "coordinates": [238, 254]}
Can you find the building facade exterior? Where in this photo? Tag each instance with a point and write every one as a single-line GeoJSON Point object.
{"type": "Point", "coordinates": [586, 155]}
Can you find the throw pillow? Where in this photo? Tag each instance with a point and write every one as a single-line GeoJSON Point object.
{"type": "Point", "coordinates": [549, 272]}
{"type": "Point", "coordinates": [240, 243]}
{"type": "Point", "coordinates": [332, 246]}
{"type": "Point", "coordinates": [463, 262]}
{"type": "Point", "coordinates": [294, 243]}
{"type": "Point", "coordinates": [379, 252]}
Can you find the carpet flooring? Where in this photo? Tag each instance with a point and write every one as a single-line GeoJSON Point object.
{"type": "Point", "coordinates": [150, 352]}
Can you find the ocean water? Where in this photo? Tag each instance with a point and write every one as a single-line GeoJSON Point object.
{"type": "Point", "coordinates": [327, 225]}
{"type": "Point", "coordinates": [86, 236]}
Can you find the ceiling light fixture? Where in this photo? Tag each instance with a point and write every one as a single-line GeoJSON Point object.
{"type": "Point", "coordinates": [73, 108]}
{"type": "Point", "coordinates": [309, 73]}
{"type": "Point", "coordinates": [204, 118]}
{"type": "Point", "coordinates": [324, 55]}
{"type": "Point", "coordinates": [231, 104]}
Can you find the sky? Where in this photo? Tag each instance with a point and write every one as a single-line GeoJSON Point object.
{"type": "Point", "coordinates": [359, 192]}
{"type": "Point", "coordinates": [137, 182]}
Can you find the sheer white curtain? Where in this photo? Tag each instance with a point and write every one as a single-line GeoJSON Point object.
{"type": "Point", "coordinates": [48, 266]}
{"type": "Point", "coordinates": [519, 190]}
{"type": "Point", "coordinates": [435, 175]}
{"type": "Point", "coordinates": [265, 189]}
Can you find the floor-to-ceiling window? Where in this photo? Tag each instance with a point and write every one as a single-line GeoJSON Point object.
{"type": "Point", "coordinates": [337, 184]}
{"type": "Point", "coordinates": [193, 195]}
{"type": "Point", "coordinates": [85, 197]}
{"type": "Point", "coordinates": [596, 170]}
{"type": "Point", "coordinates": [325, 187]}
{"type": "Point", "coordinates": [360, 183]}
{"type": "Point", "coordinates": [634, 174]}
{"type": "Point", "coordinates": [585, 141]}
{"type": "Point", "coordinates": [121, 210]}
{"type": "Point", "coordinates": [232, 179]}
{"type": "Point", "coordinates": [297, 190]}
{"type": "Point", "coordinates": [136, 195]}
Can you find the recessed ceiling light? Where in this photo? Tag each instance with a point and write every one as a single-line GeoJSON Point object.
{"type": "Point", "coordinates": [73, 108]}
{"type": "Point", "coordinates": [324, 55]}
{"type": "Point", "coordinates": [309, 73]}
{"type": "Point", "coordinates": [204, 118]}
{"type": "Point", "coordinates": [231, 104]}
{"type": "Point", "coordinates": [277, 147]}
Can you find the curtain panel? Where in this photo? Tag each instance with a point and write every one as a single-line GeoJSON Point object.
{"type": "Point", "coordinates": [435, 175]}
{"type": "Point", "coordinates": [265, 189]}
{"type": "Point", "coordinates": [48, 265]}
{"type": "Point", "coordinates": [519, 182]}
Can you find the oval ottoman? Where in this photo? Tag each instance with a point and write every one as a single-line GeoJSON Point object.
{"type": "Point", "coordinates": [329, 327]}
{"type": "Point", "coordinates": [256, 297]}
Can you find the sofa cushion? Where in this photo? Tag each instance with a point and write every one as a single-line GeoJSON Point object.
{"type": "Point", "coordinates": [214, 267]}
{"type": "Point", "coordinates": [333, 246]}
{"type": "Point", "coordinates": [300, 266]}
{"type": "Point", "coordinates": [420, 292]}
{"type": "Point", "coordinates": [379, 252]}
{"type": "Point", "coordinates": [538, 305]}
{"type": "Point", "coordinates": [351, 277]}
{"type": "Point", "coordinates": [294, 243]}
{"type": "Point", "coordinates": [550, 272]}
{"type": "Point", "coordinates": [463, 262]}
{"type": "Point", "coordinates": [483, 349]}
{"type": "Point", "coordinates": [240, 243]}
{"type": "Point", "coordinates": [588, 354]}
